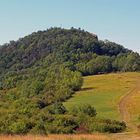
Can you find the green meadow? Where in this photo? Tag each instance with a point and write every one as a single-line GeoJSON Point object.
{"type": "Point", "coordinates": [104, 93]}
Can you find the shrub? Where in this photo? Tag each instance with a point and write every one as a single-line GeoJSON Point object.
{"type": "Point", "coordinates": [39, 128]}
{"type": "Point", "coordinates": [18, 128]}
{"type": "Point", "coordinates": [57, 108]}
{"type": "Point", "coordinates": [107, 126]}
{"type": "Point", "coordinates": [63, 124]}
{"type": "Point", "coordinates": [84, 109]}
{"type": "Point", "coordinates": [81, 130]}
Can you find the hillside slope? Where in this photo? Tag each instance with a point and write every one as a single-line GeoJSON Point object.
{"type": "Point", "coordinates": [115, 96]}
{"type": "Point", "coordinates": [41, 70]}
{"type": "Point", "coordinates": [105, 92]}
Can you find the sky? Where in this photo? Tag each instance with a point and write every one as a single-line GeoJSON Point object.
{"type": "Point", "coordinates": [115, 20]}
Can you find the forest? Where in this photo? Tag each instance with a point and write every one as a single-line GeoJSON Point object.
{"type": "Point", "coordinates": [41, 70]}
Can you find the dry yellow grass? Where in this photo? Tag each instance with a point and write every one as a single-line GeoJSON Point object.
{"type": "Point", "coordinates": [56, 137]}
{"type": "Point", "coordinates": [134, 107]}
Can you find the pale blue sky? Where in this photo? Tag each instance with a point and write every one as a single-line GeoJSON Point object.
{"type": "Point", "coordinates": [115, 20]}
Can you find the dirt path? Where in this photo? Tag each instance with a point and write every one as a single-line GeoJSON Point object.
{"type": "Point", "coordinates": [126, 117]}
{"type": "Point", "coordinates": [125, 114]}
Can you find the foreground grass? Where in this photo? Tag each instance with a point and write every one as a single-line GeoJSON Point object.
{"type": "Point", "coordinates": [56, 137]}
{"type": "Point", "coordinates": [104, 93]}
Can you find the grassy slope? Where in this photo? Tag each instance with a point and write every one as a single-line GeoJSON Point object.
{"type": "Point", "coordinates": [104, 92]}
{"type": "Point", "coordinates": [133, 105]}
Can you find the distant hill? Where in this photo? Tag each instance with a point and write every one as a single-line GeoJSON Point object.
{"type": "Point", "coordinates": [46, 67]}
{"type": "Point", "coordinates": [77, 49]}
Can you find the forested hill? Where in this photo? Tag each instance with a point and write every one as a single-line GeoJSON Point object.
{"type": "Point", "coordinates": [45, 68]}
{"type": "Point", "coordinates": [76, 49]}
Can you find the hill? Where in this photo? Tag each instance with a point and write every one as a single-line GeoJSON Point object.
{"type": "Point", "coordinates": [43, 69]}
{"type": "Point", "coordinates": [77, 49]}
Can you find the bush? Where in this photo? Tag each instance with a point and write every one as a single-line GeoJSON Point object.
{"type": "Point", "coordinates": [18, 128]}
{"type": "Point", "coordinates": [39, 128]}
{"type": "Point", "coordinates": [107, 126]}
{"type": "Point", "coordinates": [81, 130]}
{"type": "Point", "coordinates": [84, 109]}
{"type": "Point", "coordinates": [57, 108]}
{"type": "Point", "coordinates": [64, 124]}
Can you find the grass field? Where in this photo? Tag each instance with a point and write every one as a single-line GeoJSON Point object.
{"type": "Point", "coordinates": [134, 107]}
{"type": "Point", "coordinates": [104, 93]}
{"type": "Point", "coordinates": [56, 137]}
